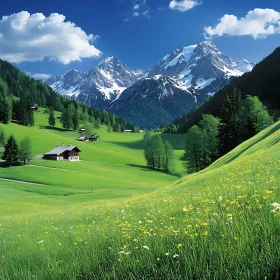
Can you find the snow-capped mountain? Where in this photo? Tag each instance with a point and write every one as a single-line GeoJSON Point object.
{"type": "Point", "coordinates": [199, 65]}
{"type": "Point", "coordinates": [99, 86]}
{"type": "Point", "coordinates": [180, 79]}
{"type": "Point", "coordinates": [153, 101]}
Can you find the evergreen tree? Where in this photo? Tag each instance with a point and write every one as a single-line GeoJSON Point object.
{"type": "Point", "coordinates": [168, 164]}
{"type": "Point", "coordinates": [148, 150]}
{"type": "Point", "coordinates": [67, 119]}
{"type": "Point", "coordinates": [25, 152]}
{"type": "Point", "coordinates": [230, 128]}
{"type": "Point", "coordinates": [209, 126]}
{"type": "Point", "coordinates": [97, 123]}
{"type": "Point", "coordinates": [11, 152]}
{"type": "Point", "coordinates": [75, 121]}
{"type": "Point", "coordinates": [2, 138]}
{"type": "Point", "coordinates": [109, 127]}
{"type": "Point", "coordinates": [194, 148]}
{"type": "Point", "coordinates": [51, 118]}
{"type": "Point", "coordinates": [5, 111]}
{"type": "Point", "coordinates": [158, 152]}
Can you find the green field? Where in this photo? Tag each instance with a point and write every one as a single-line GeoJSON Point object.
{"type": "Point", "coordinates": [113, 167]}
{"type": "Point", "coordinates": [108, 217]}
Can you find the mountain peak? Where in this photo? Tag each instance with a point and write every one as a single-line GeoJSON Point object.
{"type": "Point", "coordinates": [107, 60]}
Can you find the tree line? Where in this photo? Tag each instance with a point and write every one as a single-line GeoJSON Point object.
{"type": "Point", "coordinates": [240, 119]}
{"type": "Point", "coordinates": [158, 155]}
{"type": "Point", "coordinates": [18, 88]}
{"type": "Point", "coordinates": [14, 152]}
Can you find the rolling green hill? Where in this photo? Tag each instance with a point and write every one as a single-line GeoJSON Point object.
{"type": "Point", "coordinates": [220, 223]}
{"type": "Point", "coordinates": [111, 168]}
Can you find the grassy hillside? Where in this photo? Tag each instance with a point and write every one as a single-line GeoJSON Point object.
{"type": "Point", "coordinates": [221, 223]}
{"type": "Point", "coordinates": [111, 168]}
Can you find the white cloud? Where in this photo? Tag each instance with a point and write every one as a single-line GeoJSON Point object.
{"type": "Point", "coordinates": [258, 23]}
{"type": "Point", "coordinates": [139, 9]}
{"type": "Point", "coordinates": [26, 37]}
{"type": "Point", "coordinates": [183, 5]}
{"type": "Point", "coordinates": [136, 7]}
{"type": "Point", "coordinates": [39, 76]}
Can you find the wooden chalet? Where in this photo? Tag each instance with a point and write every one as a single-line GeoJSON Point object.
{"type": "Point", "coordinates": [82, 130]}
{"type": "Point", "coordinates": [69, 152]}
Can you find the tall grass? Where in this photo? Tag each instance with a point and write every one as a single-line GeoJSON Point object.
{"type": "Point", "coordinates": [221, 223]}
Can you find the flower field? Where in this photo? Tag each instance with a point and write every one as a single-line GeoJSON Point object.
{"type": "Point", "coordinates": [221, 223]}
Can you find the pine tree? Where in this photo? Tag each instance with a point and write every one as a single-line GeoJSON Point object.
{"type": "Point", "coordinates": [209, 126]}
{"type": "Point", "coordinates": [2, 138]}
{"type": "Point", "coordinates": [25, 152]}
{"type": "Point", "coordinates": [148, 149]}
{"type": "Point", "coordinates": [97, 123]}
{"type": "Point", "coordinates": [230, 128]}
{"type": "Point", "coordinates": [51, 118]}
{"type": "Point", "coordinates": [194, 148]}
{"type": "Point", "coordinates": [75, 121]}
{"type": "Point", "coordinates": [11, 152]}
{"type": "Point", "coordinates": [109, 127]}
{"type": "Point", "coordinates": [168, 165]}
{"type": "Point", "coordinates": [158, 152]}
{"type": "Point", "coordinates": [5, 111]}
{"type": "Point", "coordinates": [67, 119]}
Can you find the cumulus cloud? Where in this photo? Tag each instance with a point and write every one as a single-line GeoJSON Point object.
{"type": "Point", "coordinates": [33, 37]}
{"type": "Point", "coordinates": [183, 5]}
{"type": "Point", "coordinates": [258, 23]}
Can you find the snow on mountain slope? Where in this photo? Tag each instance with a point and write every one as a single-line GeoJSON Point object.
{"type": "Point", "coordinates": [199, 64]}
{"type": "Point", "coordinates": [99, 86]}
{"type": "Point", "coordinates": [180, 79]}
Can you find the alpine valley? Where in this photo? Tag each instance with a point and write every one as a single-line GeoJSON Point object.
{"type": "Point", "coordinates": [176, 84]}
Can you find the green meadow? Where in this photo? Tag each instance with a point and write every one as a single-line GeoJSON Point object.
{"type": "Point", "coordinates": [109, 217]}
{"type": "Point", "coordinates": [111, 168]}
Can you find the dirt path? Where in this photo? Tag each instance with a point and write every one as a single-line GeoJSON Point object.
{"type": "Point", "coordinates": [22, 182]}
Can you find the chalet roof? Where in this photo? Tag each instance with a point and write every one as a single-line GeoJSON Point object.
{"type": "Point", "coordinates": [61, 149]}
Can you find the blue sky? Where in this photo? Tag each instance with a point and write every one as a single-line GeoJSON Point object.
{"type": "Point", "coordinates": [79, 34]}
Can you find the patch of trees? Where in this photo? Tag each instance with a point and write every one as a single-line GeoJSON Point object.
{"type": "Point", "coordinates": [240, 119]}
{"type": "Point", "coordinates": [158, 155]}
{"type": "Point", "coordinates": [14, 153]}
{"type": "Point", "coordinates": [26, 91]}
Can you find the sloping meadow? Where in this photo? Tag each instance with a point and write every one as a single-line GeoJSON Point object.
{"type": "Point", "coordinates": [221, 223]}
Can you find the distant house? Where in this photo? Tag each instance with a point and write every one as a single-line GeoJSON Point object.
{"type": "Point", "coordinates": [82, 138]}
{"type": "Point", "coordinates": [93, 138]}
{"type": "Point", "coordinates": [143, 130]}
{"type": "Point", "coordinates": [69, 152]}
{"type": "Point", "coordinates": [82, 130]}
{"type": "Point", "coordinates": [34, 108]}
{"type": "Point", "coordinates": [128, 130]}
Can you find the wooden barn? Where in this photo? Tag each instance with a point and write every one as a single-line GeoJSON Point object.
{"type": "Point", "coordinates": [69, 152]}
